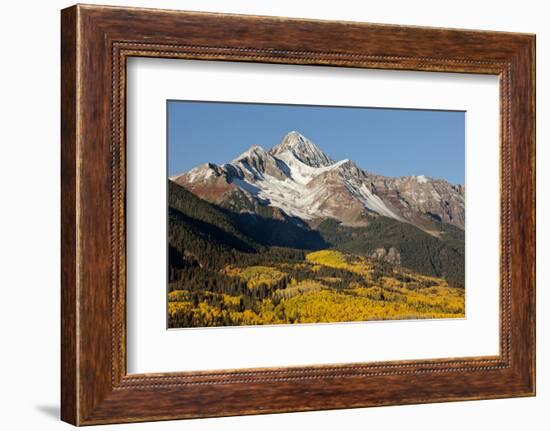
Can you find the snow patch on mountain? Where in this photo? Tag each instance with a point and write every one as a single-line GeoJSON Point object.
{"type": "Point", "coordinates": [246, 186]}
{"type": "Point", "coordinates": [302, 173]}
{"type": "Point", "coordinates": [374, 203]}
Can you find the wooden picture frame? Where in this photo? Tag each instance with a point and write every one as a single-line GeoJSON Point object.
{"type": "Point", "coordinates": [95, 43]}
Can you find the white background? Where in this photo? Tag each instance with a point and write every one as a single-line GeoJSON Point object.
{"type": "Point", "coordinates": [151, 348]}
{"type": "Point", "coordinates": [29, 220]}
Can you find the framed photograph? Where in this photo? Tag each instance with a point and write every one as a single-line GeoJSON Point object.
{"type": "Point", "coordinates": [290, 235]}
{"type": "Point", "coordinates": [264, 215]}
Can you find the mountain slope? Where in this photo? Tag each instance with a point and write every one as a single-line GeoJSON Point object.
{"type": "Point", "coordinates": [298, 179]}
{"type": "Point", "coordinates": [410, 246]}
{"type": "Point", "coordinates": [242, 231]}
{"type": "Point", "coordinates": [206, 234]}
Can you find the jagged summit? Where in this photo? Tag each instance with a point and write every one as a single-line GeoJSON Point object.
{"type": "Point", "coordinates": [296, 144]}
{"type": "Point", "coordinates": [253, 151]}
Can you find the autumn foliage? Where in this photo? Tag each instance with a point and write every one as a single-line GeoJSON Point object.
{"type": "Point", "coordinates": [302, 292]}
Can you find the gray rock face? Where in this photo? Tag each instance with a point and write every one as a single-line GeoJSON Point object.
{"type": "Point", "coordinates": [296, 177]}
{"type": "Point", "coordinates": [303, 149]}
{"type": "Point", "coordinates": [419, 199]}
{"type": "Point", "coordinates": [391, 255]}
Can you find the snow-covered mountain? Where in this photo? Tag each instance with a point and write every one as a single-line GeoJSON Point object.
{"type": "Point", "coordinates": [297, 178]}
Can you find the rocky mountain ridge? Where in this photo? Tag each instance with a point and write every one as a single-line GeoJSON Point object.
{"type": "Point", "coordinates": [296, 179]}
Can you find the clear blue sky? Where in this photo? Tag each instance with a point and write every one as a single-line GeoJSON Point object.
{"type": "Point", "coordinates": [392, 142]}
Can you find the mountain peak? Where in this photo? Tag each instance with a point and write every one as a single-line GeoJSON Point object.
{"type": "Point", "coordinates": [303, 149]}
{"type": "Point", "coordinates": [253, 151]}
{"type": "Point", "coordinates": [294, 135]}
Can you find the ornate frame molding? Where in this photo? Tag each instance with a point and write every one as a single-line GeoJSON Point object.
{"type": "Point", "coordinates": [96, 41]}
